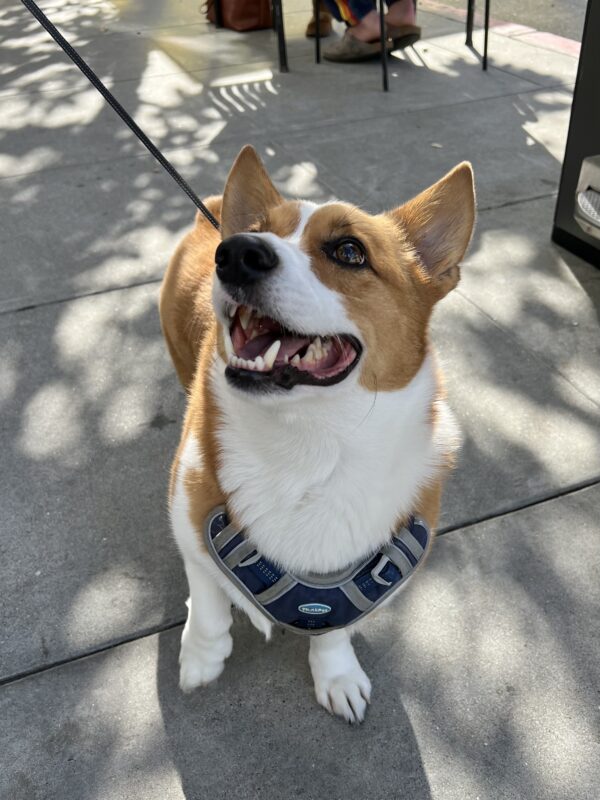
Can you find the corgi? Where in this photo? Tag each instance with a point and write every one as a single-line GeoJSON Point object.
{"type": "Point", "coordinates": [316, 422]}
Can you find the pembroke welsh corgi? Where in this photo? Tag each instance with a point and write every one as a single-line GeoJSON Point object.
{"type": "Point", "coordinates": [316, 424]}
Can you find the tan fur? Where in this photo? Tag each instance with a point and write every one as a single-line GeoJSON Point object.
{"type": "Point", "coordinates": [282, 220]}
{"type": "Point", "coordinates": [186, 312]}
{"type": "Point", "coordinates": [388, 303]}
{"type": "Point", "coordinates": [249, 194]}
{"type": "Point", "coordinates": [414, 253]}
{"type": "Point", "coordinates": [190, 329]}
{"type": "Point", "coordinates": [414, 263]}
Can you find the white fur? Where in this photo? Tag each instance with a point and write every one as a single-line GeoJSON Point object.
{"type": "Point", "coordinates": [205, 641]}
{"type": "Point", "coordinates": [341, 685]}
{"type": "Point", "coordinates": [321, 483]}
{"type": "Point", "coordinates": [318, 477]}
{"type": "Point", "coordinates": [293, 293]}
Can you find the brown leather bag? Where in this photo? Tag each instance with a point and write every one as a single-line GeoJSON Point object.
{"type": "Point", "coordinates": [242, 15]}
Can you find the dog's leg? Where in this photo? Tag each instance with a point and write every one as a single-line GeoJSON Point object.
{"type": "Point", "coordinates": [205, 641]}
{"type": "Point", "coordinates": [341, 685]}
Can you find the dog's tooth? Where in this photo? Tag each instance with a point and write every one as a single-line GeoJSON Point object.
{"type": "Point", "coordinates": [233, 359]}
{"type": "Point", "coordinates": [310, 355]}
{"type": "Point", "coordinates": [245, 314]}
{"type": "Point", "coordinates": [315, 348]}
{"type": "Point", "coordinates": [271, 354]}
{"type": "Point", "coordinates": [286, 359]}
{"type": "Point", "coordinates": [231, 310]}
{"type": "Point", "coordinates": [296, 360]}
{"type": "Point", "coordinates": [250, 364]}
{"type": "Point", "coordinates": [228, 344]}
{"type": "Point", "coordinates": [259, 363]}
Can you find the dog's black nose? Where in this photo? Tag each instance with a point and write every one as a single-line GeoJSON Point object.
{"type": "Point", "coordinates": [243, 259]}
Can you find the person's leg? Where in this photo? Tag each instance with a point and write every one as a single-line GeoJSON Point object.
{"type": "Point", "coordinates": [367, 28]}
{"type": "Point", "coordinates": [361, 41]}
{"type": "Point", "coordinates": [401, 12]}
{"type": "Point", "coordinates": [352, 12]}
{"type": "Point", "coordinates": [400, 22]}
{"type": "Point", "coordinates": [363, 19]}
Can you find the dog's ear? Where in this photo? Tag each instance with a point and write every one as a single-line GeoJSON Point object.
{"type": "Point", "coordinates": [439, 223]}
{"type": "Point", "coordinates": [249, 193]}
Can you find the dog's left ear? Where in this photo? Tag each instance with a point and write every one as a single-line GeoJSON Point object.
{"type": "Point", "coordinates": [439, 223]}
{"type": "Point", "coordinates": [249, 193]}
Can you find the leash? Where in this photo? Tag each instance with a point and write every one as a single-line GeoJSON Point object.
{"type": "Point", "coordinates": [89, 73]}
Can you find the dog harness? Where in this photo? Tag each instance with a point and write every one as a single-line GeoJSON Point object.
{"type": "Point", "coordinates": [313, 604]}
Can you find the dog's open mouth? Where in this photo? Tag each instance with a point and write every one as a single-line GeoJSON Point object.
{"type": "Point", "coordinates": [262, 352]}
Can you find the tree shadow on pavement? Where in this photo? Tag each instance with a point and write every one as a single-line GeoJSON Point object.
{"type": "Point", "coordinates": [258, 731]}
{"type": "Point", "coordinates": [91, 408]}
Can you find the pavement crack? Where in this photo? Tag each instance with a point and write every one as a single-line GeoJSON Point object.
{"type": "Point", "coordinates": [167, 626]}
{"type": "Point", "coordinates": [540, 500]}
{"type": "Point", "coordinates": [58, 300]}
{"type": "Point", "coordinates": [509, 203]}
{"type": "Point", "coordinates": [152, 631]}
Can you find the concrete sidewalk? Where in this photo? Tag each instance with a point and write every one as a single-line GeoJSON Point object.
{"type": "Point", "coordinates": [486, 674]}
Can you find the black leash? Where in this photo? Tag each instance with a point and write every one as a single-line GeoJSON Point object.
{"type": "Point", "coordinates": [116, 106]}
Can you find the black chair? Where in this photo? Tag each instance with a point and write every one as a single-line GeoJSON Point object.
{"type": "Point", "coordinates": [278, 26]}
{"type": "Point", "coordinates": [384, 59]}
{"type": "Point", "coordinates": [486, 29]}
{"type": "Point", "coordinates": [277, 15]}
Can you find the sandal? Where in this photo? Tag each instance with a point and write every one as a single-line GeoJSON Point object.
{"type": "Point", "coordinates": [403, 35]}
{"type": "Point", "coordinates": [325, 27]}
{"type": "Point", "coordinates": [349, 49]}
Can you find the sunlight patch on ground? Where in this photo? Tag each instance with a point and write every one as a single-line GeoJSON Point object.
{"type": "Point", "coordinates": [36, 159]}
{"type": "Point", "coordinates": [51, 426]}
{"type": "Point", "coordinates": [243, 78]}
{"type": "Point", "coordinates": [299, 180]}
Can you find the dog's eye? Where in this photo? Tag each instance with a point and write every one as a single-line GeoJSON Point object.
{"type": "Point", "coordinates": [350, 252]}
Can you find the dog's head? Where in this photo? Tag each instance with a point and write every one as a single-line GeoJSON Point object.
{"type": "Point", "coordinates": [315, 296]}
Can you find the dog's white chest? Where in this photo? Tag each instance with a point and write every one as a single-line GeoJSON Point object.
{"type": "Point", "coordinates": [317, 486]}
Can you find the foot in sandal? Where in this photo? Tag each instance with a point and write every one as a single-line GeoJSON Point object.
{"type": "Point", "coordinates": [325, 26]}
{"type": "Point", "coordinates": [362, 41]}
{"type": "Point", "coordinates": [350, 49]}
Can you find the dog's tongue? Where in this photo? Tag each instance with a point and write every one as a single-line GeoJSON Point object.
{"type": "Point", "coordinates": [290, 345]}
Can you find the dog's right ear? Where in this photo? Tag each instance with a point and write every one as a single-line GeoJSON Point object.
{"type": "Point", "coordinates": [249, 193]}
{"type": "Point", "coordinates": [439, 223]}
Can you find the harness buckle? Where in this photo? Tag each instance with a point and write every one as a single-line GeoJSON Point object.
{"type": "Point", "coordinates": [251, 559]}
{"type": "Point", "coordinates": [378, 569]}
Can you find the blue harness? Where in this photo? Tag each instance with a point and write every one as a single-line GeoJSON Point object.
{"type": "Point", "coordinates": [314, 604]}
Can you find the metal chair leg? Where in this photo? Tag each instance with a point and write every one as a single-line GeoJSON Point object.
{"type": "Point", "coordinates": [317, 13]}
{"type": "Point", "coordinates": [485, 34]}
{"type": "Point", "coordinates": [470, 19]}
{"type": "Point", "coordinates": [383, 40]}
{"type": "Point", "coordinates": [278, 19]}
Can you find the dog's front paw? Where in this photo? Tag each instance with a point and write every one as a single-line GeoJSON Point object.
{"type": "Point", "coordinates": [346, 695]}
{"type": "Point", "coordinates": [201, 660]}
